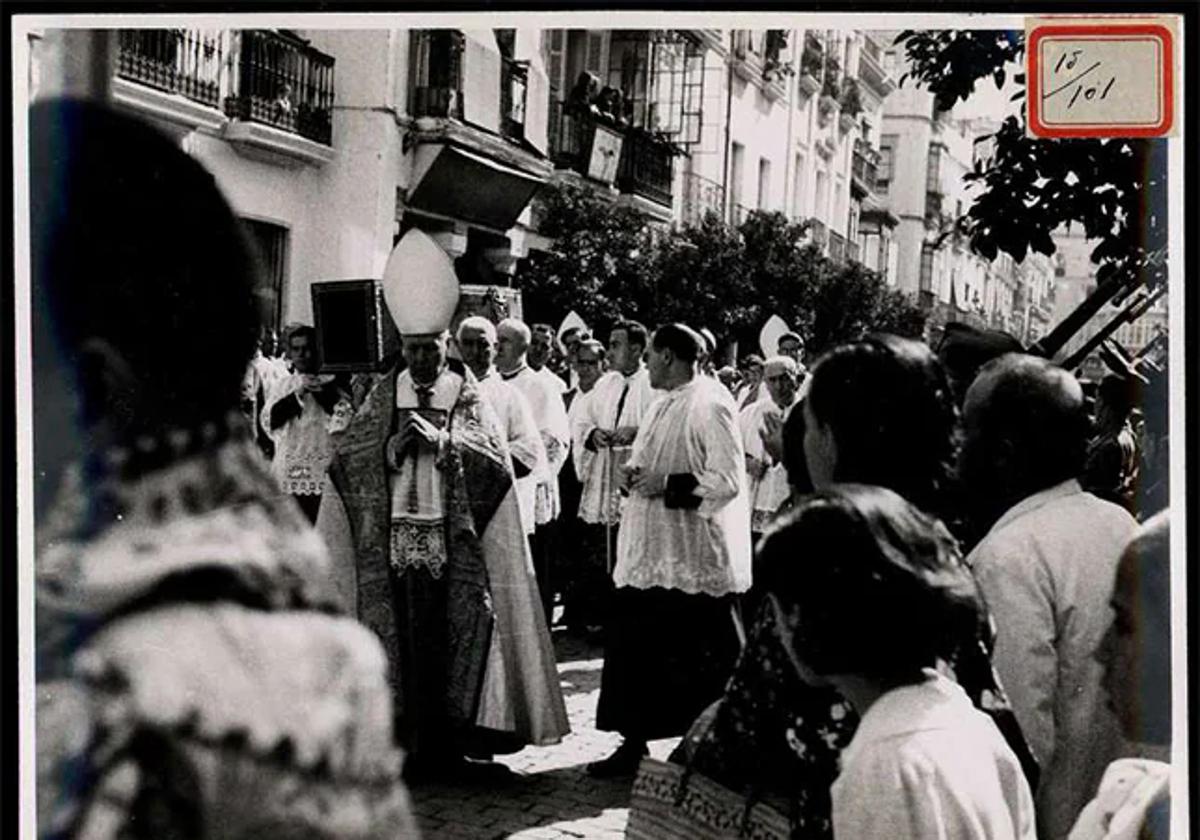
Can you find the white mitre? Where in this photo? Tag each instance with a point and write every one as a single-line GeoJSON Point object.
{"type": "Point", "coordinates": [572, 321]}
{"type": "Point", "coordinates": [768, 337]}
{"type": "Point", "coordinates": [420, 287]}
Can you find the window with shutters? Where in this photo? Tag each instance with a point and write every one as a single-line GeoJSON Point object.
{"type": "Point", "coordinates": [271, 242]}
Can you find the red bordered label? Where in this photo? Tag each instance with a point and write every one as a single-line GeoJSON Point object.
{"type": "Point", "coordinates": [1100, 78]}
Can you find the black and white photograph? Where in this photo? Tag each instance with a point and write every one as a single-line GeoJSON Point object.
{"type": "Point", "coordinates": [540, 429]}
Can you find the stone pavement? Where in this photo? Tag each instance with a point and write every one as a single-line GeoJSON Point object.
{"type": "Point", "coordinates": [551, 795]}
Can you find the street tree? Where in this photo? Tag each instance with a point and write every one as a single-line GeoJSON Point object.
{"type": "Point", "coordinates": [1113, 188]}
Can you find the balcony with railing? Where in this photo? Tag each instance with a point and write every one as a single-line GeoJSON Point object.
{"type": "Point", "coordinates": [701, 197]}
{"type": "Point", "coordinates": [853, 251]}
{"type": "Point", "coordinates": [270, 94]}
{"type": "Point", "coordinates": [281, 81]}
{"type": "Point", "coordinates": [474, 108]}
{"type": "Point", "coordinates": [870, 69]}
{"type": "Point", "coordinates": [818, 234]}
{"type": "Point", "coordinates": [864, 168]}
{"type": "Point", "coordinates": [187, 62]}
{"type": "Point", "coordinates": [603, 149]}
{"type": "Point", "coordinates": [837, 246]}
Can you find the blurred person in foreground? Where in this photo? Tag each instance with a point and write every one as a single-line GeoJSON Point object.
{"type": "Point", "coordinates": [1134, 798]}
{"type": "Point", "coordinates": [879, 608]}
{"type": "Point", "coordinates": [879, 411]}
{"type": "Point", "coordinates": [194, 678]}
{"type": "Point", "coordinates": [1046, 565]}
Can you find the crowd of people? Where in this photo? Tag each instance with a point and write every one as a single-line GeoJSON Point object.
{"type": "Point", "coordinates": [874, 595]}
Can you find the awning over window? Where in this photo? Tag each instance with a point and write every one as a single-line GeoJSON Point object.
{"type": "Point", "coordinates": [464, 185]}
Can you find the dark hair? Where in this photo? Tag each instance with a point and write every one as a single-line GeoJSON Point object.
{"type": "Point", "coordinates": [1037, 407]}
{"type": "Point", "coordinates": [303, 331]}
{"type": "Point", "coordinates": [546, 328]}
{"type": "Point", "coordinates": [964, 350]}
{"type": "Point", "coordinates": [793, 450]}
{"type": "Point", "coordinates": [752, 360]}
{"type": "Point", "coordinates": [684, 342]}
{"type": "Point", "coordinates": [1118, 393]}
{"type": "Point", "coordinates": [888, 404]}
{"type": "Point", "coordinates": [635, 332]}
{"type": "Point", "coordinates": [790, 336]}
{"type": "Point", "coordinates": [594, 345]}
{"type": "Point", "coordinates": [134, 245]}
{"type": "Point", "coordinates": [878, 587]}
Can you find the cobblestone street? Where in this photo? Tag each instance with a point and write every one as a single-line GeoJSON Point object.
{"type": "Point", "coordinates": [551, 795]}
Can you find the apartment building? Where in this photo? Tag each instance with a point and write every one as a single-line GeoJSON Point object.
{"type": "Point", "coordinates": [331, 143]}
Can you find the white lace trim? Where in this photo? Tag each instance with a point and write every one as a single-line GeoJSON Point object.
{"type": "Point", "coordinates": [689, 579]}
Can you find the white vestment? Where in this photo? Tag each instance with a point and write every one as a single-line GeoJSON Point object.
{"type": "Point", "coordinates": [524, 441]}
{"type": "Point", "coordinates": [770, 491]}
{"type": "Point", "coordinates": [691, 429]}
{"type": "Point", "coordinates": [550, 415]}
{"type": "Point", "coordinates": [615, 400]}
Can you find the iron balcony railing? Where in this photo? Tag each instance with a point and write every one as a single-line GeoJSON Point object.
{"type": "Point", "coordinates": [646, 164]}
{"type": "Point", "coordinates": [282, 81]}
{"type": "Point", "coordinates": [864, 165]}
{"type": "Point", "coordinates": [646, 167]}
{"type": "Point", "coordinates": [853, 251]}
{"type": "Point", "coordinates": [701, 196]}
{"type": "Point", "coordinates": [818, 234]}
{"type": "Point", "coordinates": [183, 61]}
{"type": "Point", "coordinates": [837, 246]}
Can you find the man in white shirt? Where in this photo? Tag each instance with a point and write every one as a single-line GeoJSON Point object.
{"type": "Point", "coordinates": [605, 432]}
{"type": "Point", "coordinates": [768, 480]}
{"type": "Point", "coordinates": [586, 579]}
{"type": "Point", "coordinates": [545, 400]}
{"type": "Point", "coordinates": [477, 343]}
{"type": "Point", "coordinates": [1046, 568]}
{"type": "Point", "coordinates": [683, 555]}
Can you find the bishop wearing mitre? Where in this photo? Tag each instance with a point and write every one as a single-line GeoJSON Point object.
{"type": "Point", "coordinates": [429, 550]}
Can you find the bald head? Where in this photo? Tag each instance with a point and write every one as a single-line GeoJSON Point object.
{"type": "Point", "coordinates": [512, 343]}
{"type": "Point", "coordinates": [1025, 428]}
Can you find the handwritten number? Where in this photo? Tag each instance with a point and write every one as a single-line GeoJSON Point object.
{"type": "Point", "coordinates": [1074, 54]}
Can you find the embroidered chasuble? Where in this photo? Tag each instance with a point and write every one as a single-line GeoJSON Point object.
{"type": "Point", "coordinates": [433, 557]}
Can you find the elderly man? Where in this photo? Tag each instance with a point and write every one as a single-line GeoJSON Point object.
{"type": "Point", "coordinates": [477, 342]}
{"type": "Point", "coordinates": [545, 400]}
{"type": "Point", "coordinates": [768, 480]}
{"type": "Point", "coordinates": [194, 677]}
{"type": "Point", "coordinates": [1046, 567]}
{"type": "Point", "coordinates": [422, 518]}
{"type": "Point", "coordinates": [683, 554]}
